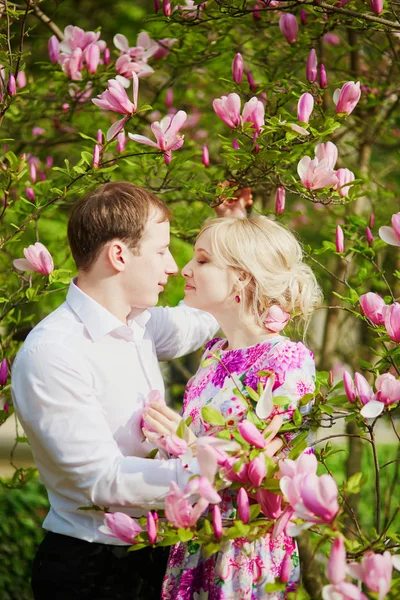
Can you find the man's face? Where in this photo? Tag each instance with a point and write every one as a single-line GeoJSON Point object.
{"type": "Point", "coordinates": [147, 272]}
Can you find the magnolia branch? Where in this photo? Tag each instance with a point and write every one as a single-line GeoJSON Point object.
{"type": "Point", "coordinates": [48, 22]}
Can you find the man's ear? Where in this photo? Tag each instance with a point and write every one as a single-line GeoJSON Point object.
{"type": "Point", "coordinates": [117, 254]}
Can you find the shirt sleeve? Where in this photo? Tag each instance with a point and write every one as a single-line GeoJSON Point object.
{"type": "Point", "coordinates": [294, 366]}
{"type": "Point", "coordinates": [55, 400]}
{"type": "Point", "coordinates": [180, 330]}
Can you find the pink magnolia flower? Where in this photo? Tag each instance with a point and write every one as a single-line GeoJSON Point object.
{"type": "Point", "coordinates": [96, 156]}
{"type": "Point", "coordinates": [205, 157]}
{"type": "Point", "coordinates": [305, 107]}
{"type": "Point", "coordinates": [391, 314]}
{"type": "Point", "coordinates": [313, 498]}
{"type": "Point", "coordinates": [217, 522]}
{"type": "Point", "coordinates": [315, 174]}
{"type": "Point", "coordinates": [54, 48]}
{"type": "Point", "coordinates": [289, 27]}
{"type": "Point", "coordinates": [237, 68]}
{"type": "Point", "coordinates": [303, 17]}
{"type": "Point", "coordinates": [376, 6]}
{"type": "Point", "coordinates": [311, 66]}
{"type": "Point", "coordinates": [116, 99]}
{"type": "Point", "coordinates": [286, 568]}
{"type": "Point", "coordinates": [372, 306]}
{"type": "Point", "coordinates": [364, 390]}
{"type": "Point", "coordinates": [387, 389]}
{"type": "Point", "coordinates": [329, 151]}
{"type": "Point", "coordinates": [304, 464]}
{"type": "Point", "coordinates": [375, 571]}
{"type": "Point", "coordinates": [339, 240]}
{"type": "Point", "coordinates": [37, 258]}
{"type": "Point", "coordinates": [349, 387]}
{"type": "Point", "coordinates": [251, 434]}
{"type": "Point", "coordinates": [243, 506]}
{"type": "Point", "coordinates": [331, 39]}
{"type": "Point", "coordinates": [276, 319]}
{"type": "Point", "coordinates": [75, 37]}
{"type": "Point", "coordinates": [345, 176]}
{"type": "Point", "coordinates": [346, 98]}
{"type": "Point", "coordinates": [369, 236]}
{"type": "Point", "coordinates": [92, 57]}
{"type": "Point", "coordinates": [280, 198]}
{"type": "Point", "coordinates": [11, 86]}
{"type": "Point", "coordinates": [121, 526]}
{"type": "Point", "coordinates": [30, 193]}
{"type": "Point", "coordinates": [121, 142]}
{"type": "Point", "coordinates": [270, 503]}
{"type": "Point", "coordinates": [391, 235]}
{"type": "Point", "coordinates": [151, 528]}
{"type": "Point", "coordinates": [337, 566]}
{"type": "Point", "coordinates": [167, 8]}
{"type": "Point", "coordinates": [228, 109]}
{"type": "Point", "coordinates": [323, 80]}
{"type": "Point", "coordinates": [21, 79]}
{"type": "Point", "coordinates": [179, 510]}
{"type": "Point", "coordinates": [134, 59]}
{"type": "Point", "coordinates": [342, 591]}
{"type": "Point", "coordinates": [252, 83]}
{"type": "Point", "coordinates": [72, 64]}
{"type": "Point", "coordinates": [253, 112]}
{"type": "Point", "coordinates": [257, 470]}
{"type": "Point", "coordinates": [3, 372]}
{"type": "Point", "coordinates": [166, 133]}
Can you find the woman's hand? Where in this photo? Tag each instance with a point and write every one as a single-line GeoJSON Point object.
{"type": "Point", "coordinates": [164, 421]}
{"type": "Point", "coordinates": [274, 444]}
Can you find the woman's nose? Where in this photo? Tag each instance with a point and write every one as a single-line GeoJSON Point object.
{"type": "Point", "coordinates": [187, 271]}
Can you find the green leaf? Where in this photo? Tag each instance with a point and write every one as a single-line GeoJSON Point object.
{"type": "Point", "coordinates": [238, 529]}
{"type": "Point", "coordinates": [30, 293]}
{"type": "Point", "coordinates": [275, 587]}
{"type": "Point", "coordinates": [297, 418]}
{"type": "Point", "coordinates": [185, 535]}
{"type": "Point", "coordinates": [212, 416]}
{"type": "Point", "coordinates": [280, 400]}
{"type": "Point", "coordinates": [298, 449]}
{"type": "Point", "coordinates": [223, 435]}
{"type": "Point", "coordinates": [272, 485]}
{"type": "Point", "coordinates": [181, 429]}
{"type": "Point", "coordinates": [253, 394]}
{"type": "Point", "coordinates": [354, 483]}
{"type": "Point", "coordinates": [255, 510]}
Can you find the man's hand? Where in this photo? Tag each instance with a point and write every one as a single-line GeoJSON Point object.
{"type": "Point", "coordinates": [236, 206]}
{"type": "Point", "coordinates": [165, 421]}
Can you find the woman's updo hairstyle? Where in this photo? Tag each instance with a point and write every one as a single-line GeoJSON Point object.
{"type": "Point", "coordinates": [266, 263]}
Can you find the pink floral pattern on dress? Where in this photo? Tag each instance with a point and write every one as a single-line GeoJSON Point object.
{"type": "Point", "coordinates": [240, 570]}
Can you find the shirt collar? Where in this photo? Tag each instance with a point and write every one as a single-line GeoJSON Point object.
{"type": "Point", "coordinates": [100, 322]}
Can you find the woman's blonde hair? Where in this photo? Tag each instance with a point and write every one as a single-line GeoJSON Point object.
{"type": "Point", "coordinates": [266, 263]}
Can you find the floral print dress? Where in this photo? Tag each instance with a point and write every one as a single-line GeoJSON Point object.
{"type": "Point", "coordinates": [240, 570]}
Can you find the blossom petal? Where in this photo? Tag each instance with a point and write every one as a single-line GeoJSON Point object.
{"type": "Point", "coordinates": [115, 129]}
{"type": "Point", "coordinates": [388, 235]}
{"type": "Point", "coordinates": [142, 139]}
{"type": "Point", "coordinates": [372, 409]}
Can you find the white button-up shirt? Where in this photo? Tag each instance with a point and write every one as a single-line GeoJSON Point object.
{"type": "Point", "coordinates": [79, 383]}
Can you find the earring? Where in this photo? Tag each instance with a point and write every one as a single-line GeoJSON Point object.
{"type": "Point", "coordinates": [237, 299]}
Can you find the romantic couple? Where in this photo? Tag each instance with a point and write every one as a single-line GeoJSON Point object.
{"type": "Point", "coordinates": [81, 380]}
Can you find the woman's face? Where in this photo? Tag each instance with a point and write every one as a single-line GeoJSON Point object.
{"type": "Point", "coordinates": [208, 286]}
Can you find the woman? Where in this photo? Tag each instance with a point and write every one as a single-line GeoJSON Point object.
{"type": "Point", "coordinates": [242, 268]}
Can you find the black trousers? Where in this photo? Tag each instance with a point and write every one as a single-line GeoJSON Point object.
{"type": "Point", "coordinates": [66, 568]}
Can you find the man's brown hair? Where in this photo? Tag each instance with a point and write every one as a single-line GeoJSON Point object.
{"type": "Point", "coordinates": [116, 210]}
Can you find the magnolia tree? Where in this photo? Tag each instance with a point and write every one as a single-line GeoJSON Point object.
{"type": "Point", "coordinates": [296, 100]}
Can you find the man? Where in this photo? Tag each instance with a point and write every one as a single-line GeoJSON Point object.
{"type": "Point", "coordinates": [79, 384]}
